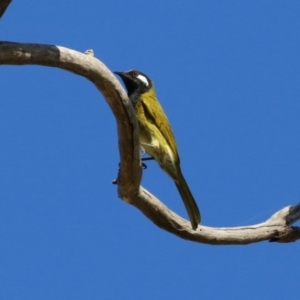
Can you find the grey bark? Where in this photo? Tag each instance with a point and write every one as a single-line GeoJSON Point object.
{"type": "Point", "coordinates": [276, 229]}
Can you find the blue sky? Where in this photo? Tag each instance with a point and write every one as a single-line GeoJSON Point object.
{"type": "Point", "coordinates": [227, 75]}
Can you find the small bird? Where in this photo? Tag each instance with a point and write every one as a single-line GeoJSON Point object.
{"type": "Point", "coordinates": [156, 135]}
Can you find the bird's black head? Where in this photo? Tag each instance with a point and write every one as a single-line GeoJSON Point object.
{"type": "Point", "coordinates": [136, 82]}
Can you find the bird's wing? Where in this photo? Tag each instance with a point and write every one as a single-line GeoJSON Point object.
{"type": "Point", "coordinates": [155, 114]}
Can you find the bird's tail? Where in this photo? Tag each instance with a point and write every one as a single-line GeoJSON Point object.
{"type": "Point", "coordinates": [188, 200]}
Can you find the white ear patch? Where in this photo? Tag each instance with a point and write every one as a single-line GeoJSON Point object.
{"type": "Point", "coordinates": [143, 79]}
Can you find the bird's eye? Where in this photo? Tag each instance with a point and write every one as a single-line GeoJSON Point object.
{"type": "Point", "coordinates": [135, 73]}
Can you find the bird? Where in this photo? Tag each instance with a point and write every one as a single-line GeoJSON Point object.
{"type": "Point", "coordinates": [156, 135]}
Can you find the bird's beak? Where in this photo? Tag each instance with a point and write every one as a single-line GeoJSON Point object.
{"type": "Point", "coordinates": [121, 74]}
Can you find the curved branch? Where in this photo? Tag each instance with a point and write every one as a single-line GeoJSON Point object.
{"type": "Point", "coordinates": [276, 229]}
{"type": "Point", "coordinates": [92, 69]}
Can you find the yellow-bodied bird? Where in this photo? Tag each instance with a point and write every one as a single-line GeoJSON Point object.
{"type": "Point", "coordinates": [156, 135]}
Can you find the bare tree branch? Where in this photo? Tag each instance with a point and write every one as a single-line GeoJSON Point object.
{"type": "Point", "coordinates": [3, 6]}
{"type": "Point", "coordinates": [86, 65]}
{"type": "Point", "coordinates": [276, 229]}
